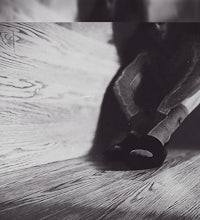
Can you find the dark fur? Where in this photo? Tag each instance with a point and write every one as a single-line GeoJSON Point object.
{"type": "Point", "coordinates": [111, 10]}
{"type": "Point", "coordinates": [169, 56]}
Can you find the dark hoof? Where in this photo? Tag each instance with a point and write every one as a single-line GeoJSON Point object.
{"type": "Point", "coordinates": [149, 153]}
{"type": "Point", "coordinates": [138, 153]}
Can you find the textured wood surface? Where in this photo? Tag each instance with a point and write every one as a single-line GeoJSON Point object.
{"type": "Point", "coordinates": [81, 189]}
{"type": "Point", "coordinates": [52, 83]}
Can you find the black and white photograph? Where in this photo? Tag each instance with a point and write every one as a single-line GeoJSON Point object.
{"type": "Point", "coordinates": [99, 109]}
{"type": "Point", "coordinates": [99, 10]}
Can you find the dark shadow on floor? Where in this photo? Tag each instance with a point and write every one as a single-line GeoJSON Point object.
{"type": "Point", "coordinates": [82, 211]}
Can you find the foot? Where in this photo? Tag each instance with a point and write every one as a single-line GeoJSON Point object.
{"type": "Point", "coordinates": [139, 153]}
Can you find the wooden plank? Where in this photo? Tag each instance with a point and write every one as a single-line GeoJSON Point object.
{"type": "Point", "coordinates": [52, 83]}
{"type": "Point", "coordinates": [82, 189]}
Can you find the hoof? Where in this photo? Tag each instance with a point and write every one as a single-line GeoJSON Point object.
{"type": "Point", "coordinates": [138, 153]}
{"type": "Point", "coordinates": [149, 153]}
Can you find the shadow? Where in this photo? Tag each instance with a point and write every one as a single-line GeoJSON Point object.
{"type": "Point", "coordinates": [92, 209]}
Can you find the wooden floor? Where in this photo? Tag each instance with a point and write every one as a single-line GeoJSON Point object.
{"type": "Point", "coordinates": [52, 84]}
{"type": "Point", "coordinates": [81, 189]}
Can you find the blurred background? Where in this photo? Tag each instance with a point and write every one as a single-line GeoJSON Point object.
{"type": "Point", "coordinates": [99, 10]}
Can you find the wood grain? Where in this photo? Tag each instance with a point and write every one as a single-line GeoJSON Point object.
{"type": "Point", "coordinates": [81, 189]}
{"type": "Point", "coordinates": [52, 84]}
